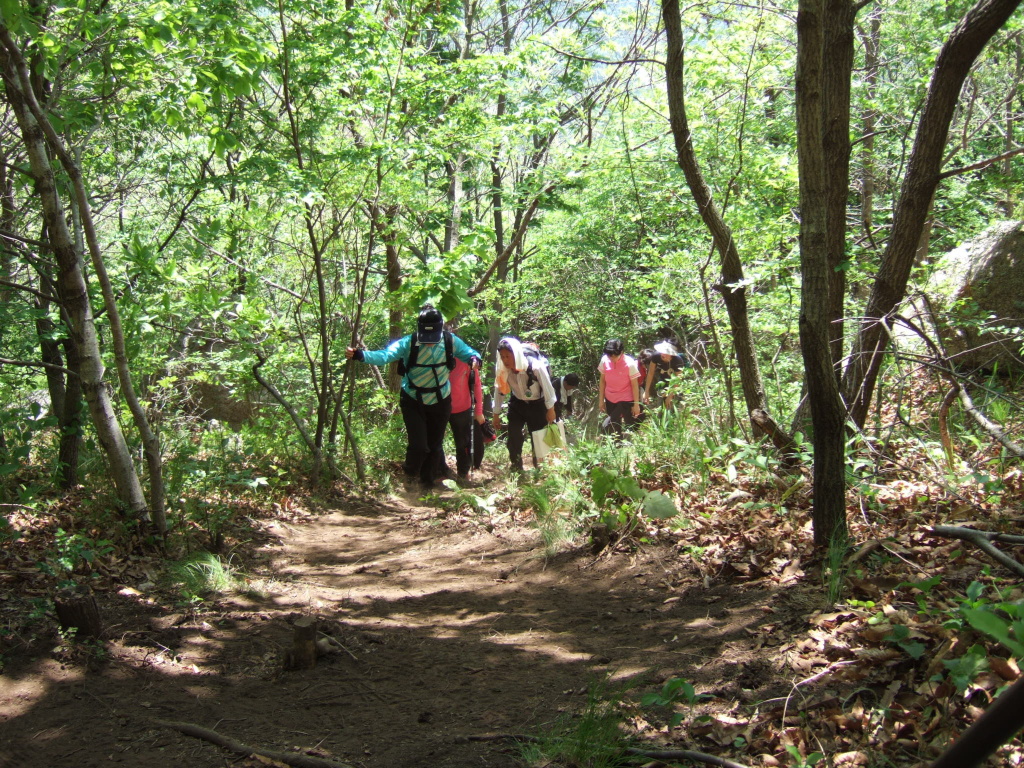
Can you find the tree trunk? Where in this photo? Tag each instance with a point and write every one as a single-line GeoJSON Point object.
{"type": "Point", "coordinates": [65, 390]}
{"type": "Point", "coordinates": [396, 317]}
{"type": "Point", "coordinates": [74, 292]}
{"type": "Point", "coordinates": [731, 285]}
{"type": "Point", "coordinates": [818, 243]}
{"type": "Point", "coordinates": [965, 43]}
{"type": "Point", "coordinates": [837, 69]}
{"type": "Point", "coordinates": [869, 121]}
{"type": "Point", "coordinates": [453, 169]}
{"type": "Point", "coordinates": [1011, 118]}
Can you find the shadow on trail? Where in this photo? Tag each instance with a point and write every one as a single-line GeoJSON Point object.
{"type": "Point", "coordinates": [443, 634]}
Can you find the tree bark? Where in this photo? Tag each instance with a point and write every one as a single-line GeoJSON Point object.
{"type": "Point", "coordinates": [869, 121]}
{"type": "Point", "coordinates": [837, 70]}
{"type": "Point", "coordinates": [822, 240]}
{"type": "Point", "coordinates": [965, 43]}
{"type": "Point", "coordinates": [65, 390]}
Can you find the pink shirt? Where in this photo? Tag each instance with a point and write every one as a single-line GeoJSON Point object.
{"type": "Point", "coordinates": [617, 378]}
{"type": "Point", "coordinates": [459, 378]}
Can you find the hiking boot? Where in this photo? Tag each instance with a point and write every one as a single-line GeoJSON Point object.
{"type": "Point", "coordinates": [464, 482]}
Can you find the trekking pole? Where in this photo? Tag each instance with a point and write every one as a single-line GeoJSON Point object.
{"type": "Point", "coordinates": [472, 419]}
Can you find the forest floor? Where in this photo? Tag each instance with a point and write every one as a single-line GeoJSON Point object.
{"type": "Point", "coordinates": [455, 631]}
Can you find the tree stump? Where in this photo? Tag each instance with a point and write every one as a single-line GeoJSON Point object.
{"type": "Point", "coordinates": [303, 651]}
{"type": "Point", "coordinates": [78, 611]}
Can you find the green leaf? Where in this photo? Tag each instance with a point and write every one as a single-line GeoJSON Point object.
{"type": "Point", "coordinates": [628, 486]}
{"type": "Point", "coordinates": [197, 102]}
{"type": "Point", "coordinates": [658, 506]}
{"type": "Point", "coordinates": [602, 482]}
{"type": "Point", "coordinates": [998, 628]}
{"type": "Point", "coordinates": [964, 670]}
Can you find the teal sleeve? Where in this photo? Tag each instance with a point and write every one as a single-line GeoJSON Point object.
{"type": "Point", "coordinates": [463, 351]}
{"type": "Point", "coordinates": [396, 350]}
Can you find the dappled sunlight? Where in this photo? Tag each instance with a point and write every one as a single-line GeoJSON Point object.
{"type": "Point", "coordinates": [20, 689]}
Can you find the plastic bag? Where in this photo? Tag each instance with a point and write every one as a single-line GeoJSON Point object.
{"type": "Point", "coordinates": [550, 438]}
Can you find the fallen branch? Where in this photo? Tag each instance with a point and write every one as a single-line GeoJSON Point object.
{"type": "Point", "coordinates": [983, 541]}
{"type": "Point", "coordinates": [991, 427]}
{"type": "Point", "coordinates": [288, 758]}
{"type": "Point", "coordinates": [686, 754]}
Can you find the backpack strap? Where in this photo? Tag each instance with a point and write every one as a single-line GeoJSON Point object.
{"type": "Point", "coordinates": [404, 366]}
{"type": "Point", "coordinates": [413, 362]}
{"type": "Point", "coordinates": [449, 350]}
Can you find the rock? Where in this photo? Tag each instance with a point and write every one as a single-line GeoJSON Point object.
{"type": "Point", "coordinates": [977, 295]}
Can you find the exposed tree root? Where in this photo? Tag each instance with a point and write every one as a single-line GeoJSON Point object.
{"type": "Point", "coordinates": [670, 754]}
{"type": "Point", "coordinates": [686, 754]}
{"type": "Point", "coordinates": [289, 758]}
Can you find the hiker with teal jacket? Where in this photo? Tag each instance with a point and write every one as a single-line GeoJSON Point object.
{"type": "Point", "coordinates": [426, 357]}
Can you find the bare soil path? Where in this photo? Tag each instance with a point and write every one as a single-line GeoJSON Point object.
{"type": "Point", "coordinates": [448, 629]}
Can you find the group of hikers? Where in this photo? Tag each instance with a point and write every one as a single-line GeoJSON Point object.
{"type": "Point", "coordinates": [441, 387]}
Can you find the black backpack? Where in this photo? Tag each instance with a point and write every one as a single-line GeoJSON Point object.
{"type": "Point", "coordinates": [533, 356]}
{"type": "Point", "coordinates": [404, 366]}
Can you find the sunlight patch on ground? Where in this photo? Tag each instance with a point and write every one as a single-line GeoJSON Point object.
{"type": "Point", "coordinates": [19, 696]}
{"type": "Point", "coordinates": [538, 642]}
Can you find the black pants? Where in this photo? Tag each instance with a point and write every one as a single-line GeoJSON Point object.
{"type": "Point", "coordinates": [424, 424]}
{"type": "Point", "coordinates": [463, 433]}
{"type": "Point", "coordinates": [478, 445]}
{"type": "Point", "coordinates": [461, 423]}
{"type": "Point", "coordinates": [619, 415]}
{"type": "Point", "coordinates": [529, 413]}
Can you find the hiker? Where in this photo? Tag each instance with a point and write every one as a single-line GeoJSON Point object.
{"type": "Point", "coordinates": [619, 391]}
{"type": "Point", "coordinates": [427, 358]}
{"type": "Point", "coordinates": [663, 363]}
{"type": "Point", "coordinates": [467, 416]}
{"type": "Point", "coordinates": [523, 378]}
{"type": "Point", "coordinates": [565, 391]}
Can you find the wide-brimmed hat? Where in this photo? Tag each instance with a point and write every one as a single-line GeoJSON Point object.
{"type": "Point", "coordinates": [429, 325]}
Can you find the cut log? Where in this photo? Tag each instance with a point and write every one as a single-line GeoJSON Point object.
{"type": "Point", "coordinates": [78, 611]}
{"type": "Point", "coordinates": [303, 652]}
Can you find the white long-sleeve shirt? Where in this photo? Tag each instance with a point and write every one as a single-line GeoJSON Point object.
{"type": "Point", "coordinates": [519, 380]}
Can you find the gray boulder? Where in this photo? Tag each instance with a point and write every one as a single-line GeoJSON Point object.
{"type": "Point", "coordinates": [977, 295]}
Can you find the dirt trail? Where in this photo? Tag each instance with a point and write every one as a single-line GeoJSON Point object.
{"type": "Point", "coordinates": [448, 630]}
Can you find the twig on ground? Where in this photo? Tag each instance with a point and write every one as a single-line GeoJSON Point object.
{"type": "Point", "coordinates": [498, 737]}
{"type": "Point", "coordinates": [226, 742]}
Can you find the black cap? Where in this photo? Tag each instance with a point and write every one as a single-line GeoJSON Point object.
{"type": "Point", "coordinates": [430, 325]}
